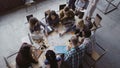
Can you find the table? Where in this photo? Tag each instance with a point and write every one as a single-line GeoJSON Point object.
{"type": "Point", "coordinates": [51, 41]}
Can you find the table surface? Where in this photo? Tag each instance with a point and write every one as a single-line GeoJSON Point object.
{"type": "Point", "coordinates": [53, 40]}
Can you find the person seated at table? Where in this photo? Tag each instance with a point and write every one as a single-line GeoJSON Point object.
{"type": "Point", "coordinates": [77, 28]}
{"type": "Point", "coordinates": [53, 19]}
{"type": "Point", "coordinates": [87, 42]}
{"type": "Point", "coordinates": [79, 6]}
{"type": "Point", "coordinates": [67, 16]}
{"type": "Point", "coordinates": [88, 22]}
{"type": "Point", "coordinates": [35, 25]}
{"type": "Point", "coordinates": [26, 56]}
{"type": "Point", "coordinates": [75, 54]}
{"type": "Point", "coordinates": [51, 60]}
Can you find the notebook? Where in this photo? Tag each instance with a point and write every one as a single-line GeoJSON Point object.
{"type": "Point", "coordinates": [60, 49]}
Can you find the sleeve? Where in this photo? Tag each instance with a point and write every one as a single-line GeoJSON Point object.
{"type": "Point", "coordinates": [68, 57]}
{"type": "Point", "coordinates": [70, 28]}
{"type": "Point", "coordinates": [56, 20]}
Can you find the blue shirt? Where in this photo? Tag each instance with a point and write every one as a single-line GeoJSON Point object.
{"type": "Point", "coordinates": [74, 57]}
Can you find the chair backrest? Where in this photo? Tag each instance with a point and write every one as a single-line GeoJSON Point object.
{"type": "Point", "coordinates": [47, 13]}
{"type": "Point", "coordinates": [10, 60]}
{"type": "Point", "coordinates": [61, 6]}
{"type": "Point", "coordinates": [28, 17]}
{"type": "Point", "coordinates": [98, 19]}
{"type": "Point", "coordinates": [97, 53]}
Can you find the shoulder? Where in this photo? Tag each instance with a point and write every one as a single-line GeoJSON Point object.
{"type": "Point", "coordinates": [72, 51]}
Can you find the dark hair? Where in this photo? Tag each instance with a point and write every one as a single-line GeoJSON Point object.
{"type": "Point", "coordinates": [66, 8]}
{"type": "Point", "coordinates": [74, 40]}
{"type": "Point", "coordinates": [87, 33]}
{"type": "Point", "coordinates": [33, 21]}
{"type": "Point", "coordinates": [52, 13]}
{"type": "Point", "coordinates": [25, 50]}
{"type": "Point", "coordinates": [51, 57]}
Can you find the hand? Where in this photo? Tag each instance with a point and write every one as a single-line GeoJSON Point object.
{"type": "Point", "coordinates": [60, 34]}
{"type": "Point", "coordinates": [69, 47]}
{"type": "Point", "coordinates": [46, 34]}
{"type": "Point", "coordinates": [81, 9]}
{"type": "Point", "coordinates": [82, 40]}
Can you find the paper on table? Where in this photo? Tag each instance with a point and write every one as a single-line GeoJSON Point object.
{"type": "Point", "coordinates": [60, 49]}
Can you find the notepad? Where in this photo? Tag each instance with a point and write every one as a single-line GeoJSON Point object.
{"type": "Point", "coordinates": [60, 49]}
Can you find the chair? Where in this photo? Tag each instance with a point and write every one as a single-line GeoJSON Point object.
{"type": "Point", "coordinates": [10, 60]}
{"type": "Point", "coordinates": [110, 3]}
{"type": "Point", "coordinates": [29, 3]}
{"type": "Point", "coordinates": [61, 6]}
{"type": "Point", "coordinates": [97, 53]}
{"type": "Point", "coordinates": [47, 13]}
{"type": "Point", "coordinates": [96, 25]}
{"type": "Point", "coordinates": [28, 17]}
{"type": "Point", "coordinates": [96, 22]}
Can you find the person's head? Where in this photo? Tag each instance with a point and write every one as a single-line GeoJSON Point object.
{"type": "Point", "coordinates": [66, 8]}
{"type": "Point", "coordinates": [25, 50]}
{"type": "Point", "coordinates": [80, 24]}
{"type": "Point", "coordinates": [86, 33]}
{"type": "Point", "coordinates": [74, 41]}
{"type": "Point", "coordinates": [51, 57]}
{"type": "Point", "coordinates": [53, 15]}
{"type": "Point", "coordinates": [33, 21]}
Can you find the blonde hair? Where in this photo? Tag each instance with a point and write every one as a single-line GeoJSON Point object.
{"type": "Point", "coordinates": [80, 23]}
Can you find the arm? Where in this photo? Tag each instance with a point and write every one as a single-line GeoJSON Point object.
{"type": "Point", "coordinates": [42, 24]}
{"type": "Point", "coordinates": [86, 5]}
{"type": "Point", "coordinates": [68, 57]}
{"type": "Point", "coordinates": [61, 14]}
{"type": "Point", "coordinates": [69, 29]}
{"type": "Point", "coordinates": [56, 20]}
